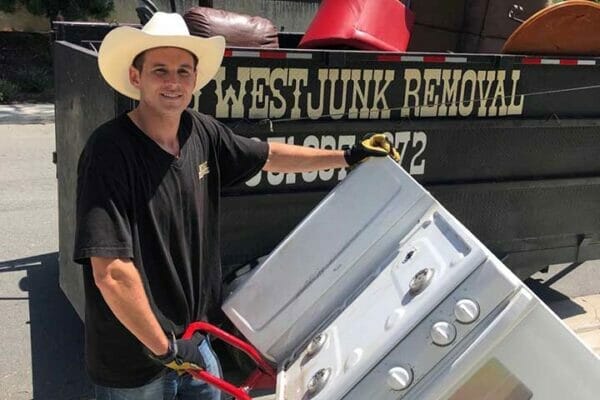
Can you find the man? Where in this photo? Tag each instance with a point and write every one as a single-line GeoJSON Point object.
{"type": "Point", "coordinates": [147, 211]}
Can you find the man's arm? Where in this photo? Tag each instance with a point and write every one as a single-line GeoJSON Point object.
{"type": "Point", "coordinates": [290, 158]}
{"type": "Point", "coordinates": [121, 286]}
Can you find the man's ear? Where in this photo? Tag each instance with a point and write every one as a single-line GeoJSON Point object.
{"type": "Point", "coordinates": [134, 76]}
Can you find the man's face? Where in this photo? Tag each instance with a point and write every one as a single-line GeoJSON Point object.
{"type": "Point", "coordinates": [167, 79]}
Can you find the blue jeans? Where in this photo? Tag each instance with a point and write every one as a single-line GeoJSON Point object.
{"type": "Point", "coordinates": [171, 386]}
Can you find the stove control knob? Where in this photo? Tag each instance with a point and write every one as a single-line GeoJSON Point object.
{"type": "Point", "coordinates": [443, 333]}
{"type": "Point", "coordinates": [399, 378]}
{"type": "Point", "coordinates": [466, 311]}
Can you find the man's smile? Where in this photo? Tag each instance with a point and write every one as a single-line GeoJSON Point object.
{"type": "Point", "coordinates": [171, 95]}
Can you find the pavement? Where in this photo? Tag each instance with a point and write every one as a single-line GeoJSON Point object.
{"type": "Point", "coordinates": [41, 337]}
{"type": "Point", "coordinates": [572, 291]}
{"type": "Point", "coordinates": [585, 323]}
{"type": "Point", "coordinates": [40, 334]}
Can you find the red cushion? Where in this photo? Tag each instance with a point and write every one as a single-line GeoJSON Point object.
{"type": "Point", "coordinates": [362, 24]}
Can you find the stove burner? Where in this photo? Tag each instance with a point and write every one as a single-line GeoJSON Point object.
{"type": "Point", "coordinates": [316, 344]}
{"type": "Point", "coordinates": [318, 382]}
{"type": "Point", "coordinates": [420, 281]}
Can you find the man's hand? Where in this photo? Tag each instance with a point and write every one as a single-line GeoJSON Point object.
{"type": "Point", "coordinates": [371, 145]}
{"type": "Point", "coordinates": [183, 354]}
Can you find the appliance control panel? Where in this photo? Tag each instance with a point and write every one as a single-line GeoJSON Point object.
{"type": "Point", "coordinates": [480, 296]}
{"type": "Point", "coordinates": [435, 289]}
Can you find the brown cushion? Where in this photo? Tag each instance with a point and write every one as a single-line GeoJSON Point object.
{"type": "Point", "coordinates": [238, 29]}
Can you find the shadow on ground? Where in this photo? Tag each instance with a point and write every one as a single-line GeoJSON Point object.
{"type": "Point", "coordinates": [542, 288]}
{"type": "Point", "coordinates": [56, 332]}
{"type": "Point", "coordinates": [57, 339]}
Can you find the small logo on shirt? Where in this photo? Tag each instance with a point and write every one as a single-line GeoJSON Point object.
{"type": "Point", "coordinates": [203, 170]}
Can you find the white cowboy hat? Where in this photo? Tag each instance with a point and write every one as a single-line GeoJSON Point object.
{"type": "Point", "coordinates": [122, 44]}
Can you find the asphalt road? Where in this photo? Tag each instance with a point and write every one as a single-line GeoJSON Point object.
{"type": "Point", "coordinates": [41, 336]}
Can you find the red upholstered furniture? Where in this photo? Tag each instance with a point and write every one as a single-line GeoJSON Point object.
{"type": "Point", "coordinates": [361, 24]}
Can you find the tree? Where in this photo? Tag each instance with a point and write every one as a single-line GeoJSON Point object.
{"type": "Point", "coordinates": [69, 9]}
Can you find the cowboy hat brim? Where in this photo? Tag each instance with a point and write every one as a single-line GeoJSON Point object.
{"type": "Point", "coordinates": [123, 44]}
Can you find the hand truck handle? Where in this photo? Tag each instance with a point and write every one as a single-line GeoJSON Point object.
{"type": "Point", "coordinates": [239, 393]}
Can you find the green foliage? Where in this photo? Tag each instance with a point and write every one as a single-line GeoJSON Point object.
{"type": "Point", "coordinates": [34, 79]}
{"type": "Point", "coordinates": [69, 9]}
{"type": "Point", "coordinates": [36, 7]}
{"type": "Point", "coordinates": [8, 91]}
{"type": "Point", "coordinates": [8, 6]}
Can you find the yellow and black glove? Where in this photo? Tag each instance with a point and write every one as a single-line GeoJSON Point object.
{"type": "Point", "coordinates": [183, 354]}
{"type": "Point", "coordinates": [371, 145]}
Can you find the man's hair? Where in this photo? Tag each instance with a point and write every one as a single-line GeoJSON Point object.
{"type": "Point", "coordinates": [138, 61]}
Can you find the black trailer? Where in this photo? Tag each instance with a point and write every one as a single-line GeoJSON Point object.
{"type": "Point", "coordinates": [509, 144]}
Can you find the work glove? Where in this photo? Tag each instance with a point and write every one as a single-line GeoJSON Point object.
{"type": "Point", "coordinates": [371, 145]}
{"type": "Point", "coordinates": [183, 354]}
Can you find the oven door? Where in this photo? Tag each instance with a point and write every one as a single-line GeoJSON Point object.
{"type": "Point", "coordinates": [524, 353]}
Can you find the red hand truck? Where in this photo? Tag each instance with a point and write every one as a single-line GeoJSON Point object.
{"type": "Point", "coordinates": [262, 378]}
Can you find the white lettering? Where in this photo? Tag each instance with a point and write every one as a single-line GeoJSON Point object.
{"type": "Point", "coordinates": [416, 167]}
{"type": "Point", "coordinates": [515, 108]}
{"type": "Point", "coordinates": [499, 96]}
{"type": "Point", "coordinates": [465, 107]}
{"type": "Point", "coordinates": [278, 77]}
{"type": "Point", "coordinates": [484, 77]}
{"type": "Point", "coordinates": [360, 92]}
{"type": "Point", "coordinates": [298, 78]}
{"type": "Point", "coordinates": [276, 93]}
{"type": "Point", "coordinates": [228, 104]}
{"type": "Point", "coordinates": [384, 111]}
{"type": "Point", "coordinates": [316, 113]}
{"type": "Point", "coordinates": [337, 112]}
{"type": "Point", "coordinates": [430, 99]}
{"type": "Point", "coordinates": [449, 106]}
{"type": "Point", "coordinates": [260, 101]}
{"type": "Point", "coordinates": [411, 75]}
{"type": "Point", "coordinates": [402, 138]}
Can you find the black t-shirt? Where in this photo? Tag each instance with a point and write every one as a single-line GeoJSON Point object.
{"type": "Point", "coordinates": [137, 201]}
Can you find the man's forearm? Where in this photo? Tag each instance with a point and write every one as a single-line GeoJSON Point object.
{"type": "Point", "coordinates": [290, 158]}
{"type": "Point", "coordinates": [121, 286]}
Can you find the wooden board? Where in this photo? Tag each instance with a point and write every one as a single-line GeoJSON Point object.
{"type": "Point", "coordinates": [567, 28]}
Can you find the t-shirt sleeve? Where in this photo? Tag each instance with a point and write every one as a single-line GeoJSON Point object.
{"type": "Point", "coordinates": [102, 219]}
{"type": "Point", "coordinates": [239, 157]}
